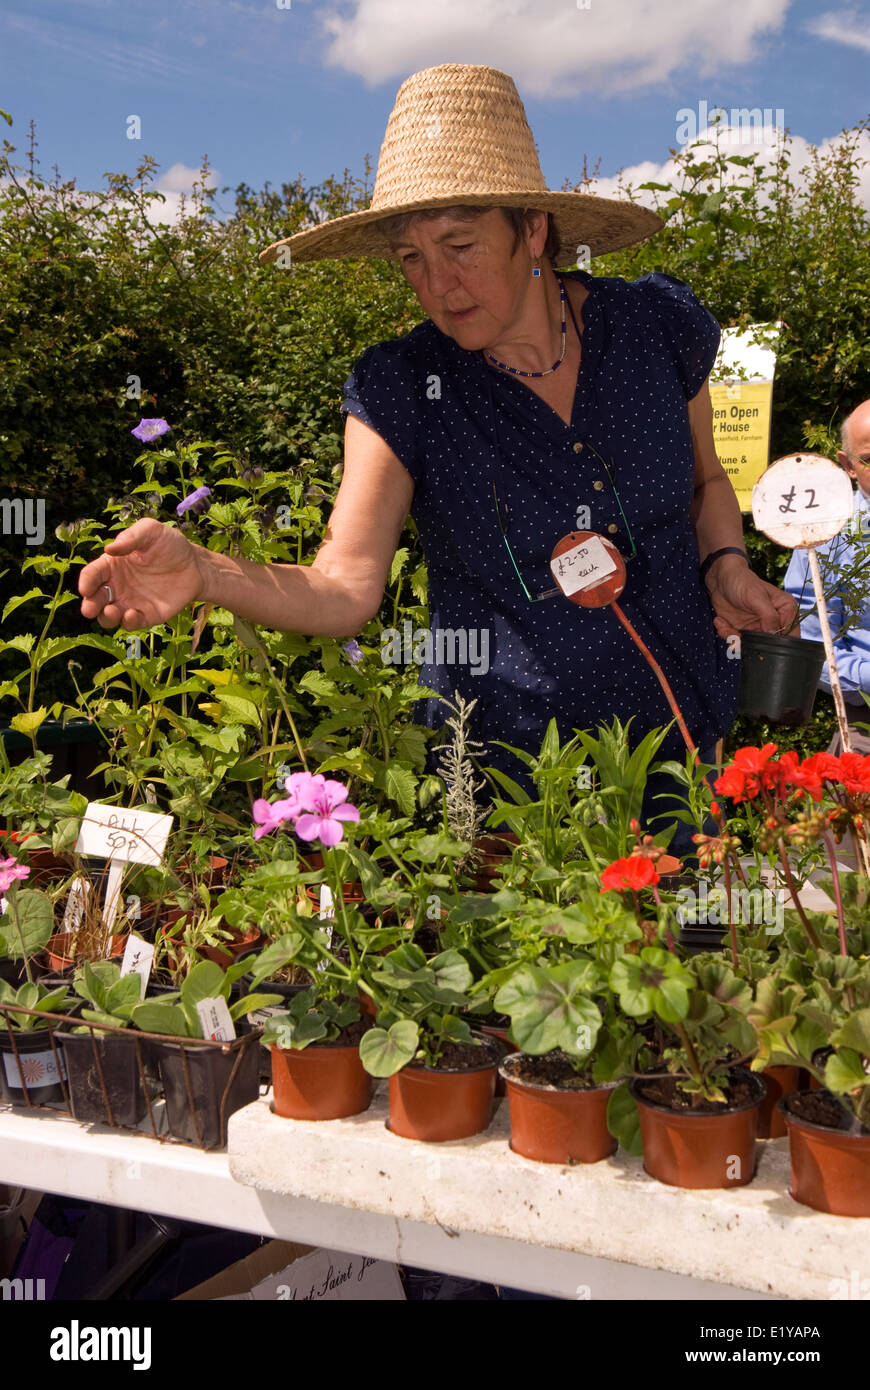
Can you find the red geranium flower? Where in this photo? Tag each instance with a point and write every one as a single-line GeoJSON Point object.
{"type": "Point", "coordinates": [634, 873]}
{"type": "Point", "coordinates": [854, 772]}
{"type": "Point", "coordinates": [732, 783]}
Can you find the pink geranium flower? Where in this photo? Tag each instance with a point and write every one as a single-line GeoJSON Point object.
{"type": "Point", "coordinates": [270, 815]}
{"type": "Point", "coordinates": [10, 870]}
{"type": "Point", "coordinates": [302, 788]}
{"type": "Point", "coordinates": [326, 808]}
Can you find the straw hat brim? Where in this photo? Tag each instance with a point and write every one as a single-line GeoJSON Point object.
{"type": "Point", "coordinates": [582, 220]}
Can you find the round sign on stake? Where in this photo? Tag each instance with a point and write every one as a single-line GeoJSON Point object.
{"type": "Point", "coordinates": [802, 500]}
{"type": "Point", "coordinates": [588, 569]}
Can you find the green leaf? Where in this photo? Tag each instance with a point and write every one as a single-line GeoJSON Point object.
{"type": "Point", "coordinates": [855, 1033]}
{"type": "Point", "coordinates": [161, 1018]}
{"type": "Point", "coordinates": [844, 1072]}
{"type": "Point", "coordinates": [19, 600]}
{"type": "Point", "coordinates": [384, 1052]}
{"type": "Point", "coordinates": [30, 723]}
{"type": "Point", "coordinates": [400, 787]}
{"type": "Point", "coordinates": [623, 1120]}
{"type": "Point", "coordinates": [29, 923]}
{"type": "Point", "coordinates": [124, 995]}
{"type": "Point", "coordinates": [205, 981]}
{"type": "Point", "coordinates": [548, 1008]}
{"type": "Point", "coordinates": [97, 993]}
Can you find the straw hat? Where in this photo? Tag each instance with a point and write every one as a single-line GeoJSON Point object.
{"type": "Point", "coordinates": [458, 136]}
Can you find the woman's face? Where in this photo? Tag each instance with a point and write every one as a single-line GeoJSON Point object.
{"type": "Point", "coordinates": [465, 277]}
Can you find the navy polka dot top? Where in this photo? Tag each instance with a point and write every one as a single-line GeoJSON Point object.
{"type": "Point", "coordinates": [459, 425]}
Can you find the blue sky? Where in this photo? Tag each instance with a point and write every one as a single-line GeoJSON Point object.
{"type": "Point", "coordinates": [269, 89]}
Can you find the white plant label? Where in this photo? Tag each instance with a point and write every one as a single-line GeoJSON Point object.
{"type": "Point", "coordinates": [327, 914]}
{"type": "Point", "coordinates": [112, 832]}
{"type": "Point", "coordinates": [79, 892]}
{"type": "Point", "coordinates": [582, 566]}
{"type": "Point", "coordinates": [138, 960]}
{"type": "Point", "coordinates": [214, 1017]}
{"type": "Point", "coordinates": [802, 500]}
{"type": "Point", "coordinates": [40, 1069]}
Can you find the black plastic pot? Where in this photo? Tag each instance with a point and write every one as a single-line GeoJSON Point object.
{"type": "Point", "coordinates": [39, 1064]}
{"type": "Point", "coordinates": [76, 749]}
{"type": "Point", "coordinates": [96, 1060]}
{"type": "Point", "coordinates": [198, 1081]}
{"type": "Point", "coordinates": [779, 677]}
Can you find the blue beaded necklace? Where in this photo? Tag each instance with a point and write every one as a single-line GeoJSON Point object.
{"type": "Point", "coordinates": [515, 371]}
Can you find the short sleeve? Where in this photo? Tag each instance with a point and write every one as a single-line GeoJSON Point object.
{"type": "Point", "coordinates": [382, 392]}
{"type": "Point", "coordinates": [690, 330]}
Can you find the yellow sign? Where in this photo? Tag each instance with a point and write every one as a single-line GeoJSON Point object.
{"type": "Point", "coordinates": [741, 431]}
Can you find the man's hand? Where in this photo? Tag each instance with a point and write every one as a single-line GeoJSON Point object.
{"type": "Point", "coordinates": [743, 601]}
{"type": "Point", "coordinates": [152, 571]}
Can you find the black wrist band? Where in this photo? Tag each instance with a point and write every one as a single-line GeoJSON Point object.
{"type": "Point", "coordinates": [715, 555]}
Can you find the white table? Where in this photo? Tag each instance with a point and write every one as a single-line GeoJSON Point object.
{"type": "Point", "coordinates": [473, 1208]}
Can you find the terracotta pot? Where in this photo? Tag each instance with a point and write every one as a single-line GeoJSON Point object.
{"type": "Point", "coordinates": [830, 1168]}
{"type": "Point", "coordinates": [439, 1105]}
{"type": "Point", "coordinates": [555, 1126]}
{"type": "Point", "coordinates": [367, 1006]}
{"type": "Point", "coordinates": [494, 854]}
{"type": "Point", "coordinates": [319, 1082]}
{"type": "Point", "coordinates": [779, 1082]}
{"type": "Point", "coordinates": [701, 1150]}
{"type": "Point", "coordinates": [506, 1047]}
{"type": "Point", "coordinates": [214, 875]}
{"type": "Point", "coordinates": [225, 954]}
{"type": "Point", "coordinates": [58, 950]}
{"type": "Point", "coordinates": [222, 955]}
{"type": "Point", "coordinates": [45, 866]}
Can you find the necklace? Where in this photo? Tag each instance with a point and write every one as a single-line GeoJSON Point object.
{"type": "Point", "coordinates": [515, 371]}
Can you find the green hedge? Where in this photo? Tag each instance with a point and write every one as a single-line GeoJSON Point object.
{"type": "Point", "coordinates": [255, 357]}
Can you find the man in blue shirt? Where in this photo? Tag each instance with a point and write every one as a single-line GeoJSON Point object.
{"type": "Point", "coordinates": [852, 646]}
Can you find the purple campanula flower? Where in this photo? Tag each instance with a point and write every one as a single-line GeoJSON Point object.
{"type": "Point", "coordinates": [193, 502]}
{"type": "Point", "coordinates": [353, 651]}
{"type": "Point", "coordinates": [146, 430]}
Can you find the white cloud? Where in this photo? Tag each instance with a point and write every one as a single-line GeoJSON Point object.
{"type": "Point", "coordinates": [765, 143]}
{"type": "Point", "coordinates": [846, 27]}
{"type": "Point", "coordinates": [551, 47]}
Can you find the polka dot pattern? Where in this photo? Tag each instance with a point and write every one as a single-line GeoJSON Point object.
{"type": "Point", "coordinates": [459, 426]}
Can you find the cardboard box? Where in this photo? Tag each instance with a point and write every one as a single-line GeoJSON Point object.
{"type": "Point", "coordinates": [239, 1279]}
{"type": "Point", "coordinates": [284, 1272]}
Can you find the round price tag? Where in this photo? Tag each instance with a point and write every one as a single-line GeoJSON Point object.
{"type": "Point", "coordinates": [588, 569]}
{"type": "Point", "coordinates": [802, 500]}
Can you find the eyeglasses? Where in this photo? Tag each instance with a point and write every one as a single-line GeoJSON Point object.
{"type": "Point", "coordinates": [503, 516]}
{"type": "Point", "coordinates": [865, 463]}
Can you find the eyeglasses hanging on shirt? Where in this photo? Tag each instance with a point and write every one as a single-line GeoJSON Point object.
{"type": "Point", "coordinates": [504, 520]}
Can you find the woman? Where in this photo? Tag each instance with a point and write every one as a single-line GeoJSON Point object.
{"type": "Point", "coordinates": [526, 406]}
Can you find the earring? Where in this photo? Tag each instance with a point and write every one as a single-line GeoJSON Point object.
{"type": "Point", "coordinates": [536, 271]}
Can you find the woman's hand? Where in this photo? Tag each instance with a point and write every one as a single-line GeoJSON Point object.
{"type": "Point", "coordinates": [152, 572]}
{"type": "Point", "coordinates": [741, 600]}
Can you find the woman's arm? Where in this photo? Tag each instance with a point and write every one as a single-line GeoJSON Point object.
{"type": "Point", "coordinates": [153, 571]}
{"type": "Point", "coordinates": [740, 598]}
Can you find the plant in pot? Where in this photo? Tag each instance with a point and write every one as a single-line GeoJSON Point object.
{"type": "Point", "coordinates": [31, 1067]}
{"type": "Point", "coordinates": [314, 1041]}
{"type": "Point", "coordinates": [204, 1081]}
{"type": "Point", "coordinates": [698, 1115]}
{"type": "Point", "coordinates": [442, 1077]}
{"type": "Point", "coordinates": [828, 1033]}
